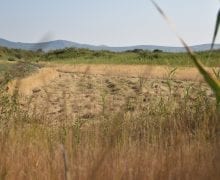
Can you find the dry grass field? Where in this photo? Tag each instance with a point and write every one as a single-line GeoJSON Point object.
{"type": "Point", "coordinates": [80, 114]}
{"type": "Point", "coordinates": [84, 90]}
{"type": "Point", "coordinates": [109, 122]}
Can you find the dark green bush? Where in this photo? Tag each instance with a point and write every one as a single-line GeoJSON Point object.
{"type": "Point", "coordinates": [11, 59]}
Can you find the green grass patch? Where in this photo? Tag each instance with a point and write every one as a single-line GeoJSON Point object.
{"type": "Point", "coordinates": [85, 56]}
{"type": "Point", "coordinates": [4, 67]}
{"type": "Point", "coordinates": [73, 56]}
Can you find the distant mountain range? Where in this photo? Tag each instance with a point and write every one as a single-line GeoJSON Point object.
{"type": "Point", "coordinates": [61, 44]}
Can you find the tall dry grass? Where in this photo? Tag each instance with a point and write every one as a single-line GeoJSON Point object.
{"type": "Point", "coordinates": [171, 138]}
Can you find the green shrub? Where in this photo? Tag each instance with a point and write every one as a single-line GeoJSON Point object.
{"type": "Point", "coordinates": [11, 59]}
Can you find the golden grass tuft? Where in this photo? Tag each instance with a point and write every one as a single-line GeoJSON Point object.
{"type": "Point", "coordinates": [36, 80]}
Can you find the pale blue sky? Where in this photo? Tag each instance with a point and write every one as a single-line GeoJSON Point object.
{"type": "Point", "coordinates": [109, 22]}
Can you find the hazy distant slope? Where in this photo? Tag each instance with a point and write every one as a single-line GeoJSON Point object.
{"type": "Point", "coordinates": [61, 44]}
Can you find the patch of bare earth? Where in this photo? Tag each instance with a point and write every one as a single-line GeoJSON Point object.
{"type": "Point", "coordinates": [88, 92]}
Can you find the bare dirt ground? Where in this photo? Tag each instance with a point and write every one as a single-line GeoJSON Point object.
{"type": "Point", "coordinates": [88, 92]}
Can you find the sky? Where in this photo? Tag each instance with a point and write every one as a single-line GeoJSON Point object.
{"type": "Point", "coordinates": [107, 22]}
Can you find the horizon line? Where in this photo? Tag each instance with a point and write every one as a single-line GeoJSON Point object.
{"type": "Point", "coordinates": [81, 43]}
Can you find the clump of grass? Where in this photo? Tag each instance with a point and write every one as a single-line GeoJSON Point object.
{"type": "Point", "coordinates": [216, 73]}
{"type": "Point", "coordinates": [170, 78]}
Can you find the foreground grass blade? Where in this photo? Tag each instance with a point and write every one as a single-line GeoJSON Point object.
{"type": "Point", "coordinates": [216, 29]}
{"type": "Point", "coordinates": [213, 82]}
